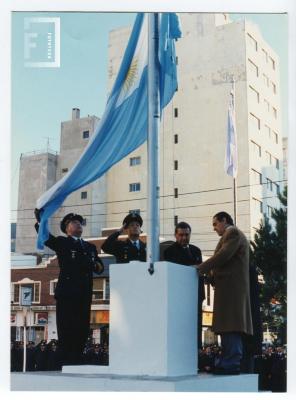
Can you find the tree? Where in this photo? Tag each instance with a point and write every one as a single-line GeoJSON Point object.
{"type": "Point", "coordinates": [269, 253]}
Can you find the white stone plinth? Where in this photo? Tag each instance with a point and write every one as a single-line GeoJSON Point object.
{"type": "Point", "coordinates": [153, 319]}
{"type": "Point", "coordinates": [74, 382]}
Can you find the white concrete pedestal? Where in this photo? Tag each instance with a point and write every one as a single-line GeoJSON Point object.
{"type": "Point", "coordinates": [153, 319]}
{"type": "Point", "coordinates": [152, 339]}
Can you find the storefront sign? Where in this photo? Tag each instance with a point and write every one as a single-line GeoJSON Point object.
{"type": "Point", "coordinates": [207, 318]}
{"type": "Point", "coordinates": [41, 318]}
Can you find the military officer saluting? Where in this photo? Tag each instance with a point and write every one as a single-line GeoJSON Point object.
{"type": "Point", "coordinates": [132, 248]}
{"type": "Point", "coordinates": [78, 260]}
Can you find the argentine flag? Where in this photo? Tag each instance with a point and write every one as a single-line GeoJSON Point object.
{"type": "Point", "coordinates": [124, 124]}
{"type": "Point", "coordinates": [231, 145]}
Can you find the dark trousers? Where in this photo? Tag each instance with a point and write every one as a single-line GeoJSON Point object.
{"type": "Point", "coordinates": [73, 317]}
{"type": "Point", "coordinates": [232, 350]}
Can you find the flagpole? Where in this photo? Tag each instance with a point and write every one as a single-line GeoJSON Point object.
{"type": "Point", "coordinates": [153, 141]}
{"type": "Point", "coordinates": [234, 179]}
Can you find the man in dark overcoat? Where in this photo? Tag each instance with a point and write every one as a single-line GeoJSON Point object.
{"type": "Point", "coordinates": [184, 253]}
{"type": "Point", "coordinates": [78, 259]}
{"type": "Point", "coordinates": [229, 267]}
{"type": "Point", "coordinates": [130, 249]}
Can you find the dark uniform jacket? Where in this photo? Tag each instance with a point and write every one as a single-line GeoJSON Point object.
{"type": "Point", "coordinates": [124, 251]}
{"type": "Point", "coordinates": [190, 256]}
{"type": "Point", "coordinates": [77, 262]}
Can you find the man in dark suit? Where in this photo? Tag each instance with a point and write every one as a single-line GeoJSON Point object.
{"type": "Point", "coordinates": [78, 260]}
{"type": "Point", "coordinates": [181, 252]}
{"type": "Point", "coordinates": [130, 249]}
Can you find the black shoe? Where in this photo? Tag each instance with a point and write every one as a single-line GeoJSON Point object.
{"type": "Point", "coordinates": [223, 371]}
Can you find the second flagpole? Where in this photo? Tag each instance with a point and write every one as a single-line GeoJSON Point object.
{"type": "Point", "coordinates": [153, 141]}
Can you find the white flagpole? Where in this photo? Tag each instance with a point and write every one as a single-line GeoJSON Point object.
{"type": "Point", "coordinates": [234, 178]}
{"type": "Point", "coordinates": [153, 141]}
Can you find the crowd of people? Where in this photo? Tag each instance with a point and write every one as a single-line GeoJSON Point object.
{"type": "Point", "coordinates": [46, 356]}
{"type": "Point", "coordinates": [270, 365]}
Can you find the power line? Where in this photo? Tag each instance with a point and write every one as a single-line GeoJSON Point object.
{"type": "Point", "coordinates": [164, 196]}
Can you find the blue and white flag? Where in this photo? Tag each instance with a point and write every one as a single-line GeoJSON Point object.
{"type": "Point", "coordinates": [231, 145]}
{"type": "Point", "coordinates": [124, 124]}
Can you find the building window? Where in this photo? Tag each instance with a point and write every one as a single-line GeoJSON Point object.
{"type": "Point", "coordinates": [277, 188]}
{"type": "Point", "coordinates": [36, 292]}
{"type": "Point", "coordinates": [274, 112]}
{"type": "Point", "coordinates": [267, 130]}
{"type": "Point", "coordinates": [135, 211]}
{"type": "Point", "coordinates": [176, 112]}
{"type": "Point", "coordinates": [176, 220]}
{"type": "Point", "coordinates": [256, 148]}
{"type": "Point", "coordinates": [52, 286]}
{"type": "Point", "coordinates": [85, 134]}
{"type": "Point", "coordinates": [271, 60]}
{"type": "Point", "coordinates": [256, 177]}
{"type": "Point", "coordinates": [177, 60]}
{"type": "Point", "coordinates": [269, 184]}
{"type": "Point", "coordinates": [175, 165]}
{"type": "Point", "coordinates": [98, 289]}
{"type": "Point", "coordinates": [253, 67]}
{"type": "Point", "coordinates": [275, 137]}
{"type": "Point", "coordinates": [273, 85]}
{"type": "Point", "coordinates": [254, 94]}
{"type": "Point", "coordinates": [277, 163]}
{"type": "Point", "coordinates": [64, 170]}
{"type": "Point", "coordinates": [265, 80]}
{"type": "Point", "coordinates": [252, 42]}
{"type": "Point", "coordinates": [16, 293]}
{"type": "Point", "coordinates": [266, 105]}
{"type": "Point", "coordinates": [176, 193]}
{"type": "Point", "coordinates": [258, 205]}
{"type": "Point", "coordinates": [265, 55]}
{"type": "Point", "coordinates": [268, 158]}
{"type": "Point", "coordinates": [176, 139]}
{"type": "Point", "coordinates": [255, 122]}
{"type": "Point", "coordinates": [83, 195]}
{"type": "Point", "coordinates": [269, 211]}
{"type": "Point", "coordinates": [135, 161]}
{"type": "Point", "coordinates": [134, 187]}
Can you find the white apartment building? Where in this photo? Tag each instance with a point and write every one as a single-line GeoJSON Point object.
{"type": "Point", "coordinates": [193, 183]}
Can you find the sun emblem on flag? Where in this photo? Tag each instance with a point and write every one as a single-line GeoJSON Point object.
{"type": "Point", "coordinates": [131, 75]}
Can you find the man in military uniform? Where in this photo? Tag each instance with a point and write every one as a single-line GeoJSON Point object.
{"type": "Point", "coordinates": [184, 253]}
{"type": "Point", "coordinates": [132, 248]}
{"type": "Point", "coordinates": [78, 260]}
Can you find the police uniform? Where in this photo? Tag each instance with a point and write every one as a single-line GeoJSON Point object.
{"type": "Point", "coordinates": [78, 260]}
{"type": "Point", "coordinates": [125, 250]}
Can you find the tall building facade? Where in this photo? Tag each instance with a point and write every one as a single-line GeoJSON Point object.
{"type": "Point", "coordinates": [39, 171]}
{"type": "Point", "coordinates": [213, 50]}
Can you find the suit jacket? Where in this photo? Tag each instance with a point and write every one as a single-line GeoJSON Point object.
{"type": "Point", "coordinates": [77, 262]}
{"type": "Point", "coordinates": [177, 254]}
{"type": "Point", "coordinates": [230, 268]}
{"type": "Point", "coordinates": [123, 250]}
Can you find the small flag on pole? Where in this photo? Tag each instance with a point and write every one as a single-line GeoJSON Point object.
{"type": "Point", "coordinates": [124, 124]}
{"type": "Point", "coordinates": [231, 145]}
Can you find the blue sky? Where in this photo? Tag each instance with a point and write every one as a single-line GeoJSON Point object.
{"type": "Point", "coordinates": [43, 97]}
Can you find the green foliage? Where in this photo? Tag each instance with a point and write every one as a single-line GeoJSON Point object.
{"type": "Point", "coordinates": [269, 254]}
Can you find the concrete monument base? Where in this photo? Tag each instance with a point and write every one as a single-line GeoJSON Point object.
{"type": "Point", "coordinates": [57, 381]}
